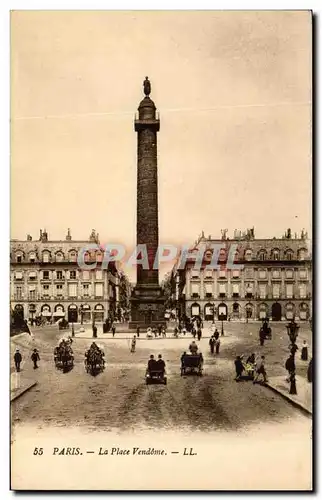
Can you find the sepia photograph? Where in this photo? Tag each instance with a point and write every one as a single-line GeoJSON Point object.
{"type": "Point", "coordinates": [161, 280]}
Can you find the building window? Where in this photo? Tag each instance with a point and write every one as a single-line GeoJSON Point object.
{"type": "Point", "coordinates": [276, 273]}
{"type": "Point", "coordinates": [262, 274]}
{"type": "Point", "coordinates": [222, 290]}
{"type": "Point", "coordinates": [59, 290]}
{"type": "Point", "coordinates": [222, 255]}
{"type": "Point", "coordinates": [18, 275]}
{"type": "Point", "coordinates": [19, 258]}
{"type": "Point", "coordinates": [289, 291]}
{"type": "Point", "coordinates": [72, 275]}
{"type": "Point", "coordinates": [235, 290]}
{"type": "Point", "coordinates": [99, 290]}
{"type": "Point", "coordinates": [32, 293]}
{"type": "Point", "coordinates": [18, 292]}
{"type": "Point", "coordinates": [59, 275]}
{"type": "Point", "coordinates": [85, 275]}
{"type": "Point", "coordinates": [275, 254]}
{"type": "Point", "coordinates": [289, 273]}
{"type": "Point", "coordinates": [289, 254]}
{"type": "Point", "coordinates": [45, 275]}
{"type": "Point", "coordinates": [59, 257]}
{"type": "Point", "coordinates": [262, 255]}
{"type": "Point", "coordinates": [72, 256]}
{"type": "Point", "coordinates": [32, 257]}
{"type": "Point", "coordinates": [222, 273]}
{"type": "Point", "coordinates": [208, 288]}
{"type": "Point", "coordinates": [86, 290]}
{"type": "Point", "coordinates": [99, 256]}
{"type": "Point", "coordinates": [236, 273]}
{"type": "Point", "coordinates": [248, 254]}
{"type": "Point", "coordinates": [303, 274]}
{"type": "Point", "coordinates": [46, 287]}
{"type": "Point", "coordinates": [302, 290]}
{"type": "Point", "coordinates": [45, 257]}
{"type": "Point", "coordinates": [249, 290]}
{"type": "Point", "coordinates": [208, 273]}
{"type": "Point", "coordinates": [72, 290]}
{"type": "Point", "coordinates": [301, 254]}
{"type": "Point", "coordinates": [262, 291]}
{"type": "Point", "coordinates": [99, 275]}
{"type": "Point", "coordinates": [276, 291]}
{"type": "Point", "coordinates": [32, 276]}
{"type": "Point", "coordinates": [194, 273]}
{"type": "Point", "coordinates": [194, 290]}
{"type": "Point", "coordinates": [249, 273]}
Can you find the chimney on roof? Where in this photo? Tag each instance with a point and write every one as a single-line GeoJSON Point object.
{"type": "Point", "coordinates": [43, 235]}
{"type": "Point", "coordinates": [68, 236]}
{"type": "Point", "coordinates": [29, 238]}
{"type": "Point", "coordinates": [40, 234]}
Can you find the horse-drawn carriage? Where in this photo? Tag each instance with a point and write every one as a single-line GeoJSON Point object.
{"type": "Point", "coordinates": [94, 360]}
{"type": "Point", "coordinates": [63, 324]}
{"type": "Point", "coordinates": [63, 356]}
{"type": "Point", "coordinates": [191, 363]}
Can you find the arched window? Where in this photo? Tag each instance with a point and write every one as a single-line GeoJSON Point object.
{"type": "Point", "coordinates": [301, 253]}
{"type": "Point", "coordinates": [32, 256]}
{"type": "Point", "coordinates": [222, 255]}
{"type": "Point", "coordinates": [275, 254]}
{"type": "Point", "coordinates": [72, 256]}
{"type": "Point", "coordinates": [195, 309]}
{"type": "Point", "coordinates": [19, 256]}
{"type": "Point", "coordinates": [289, 254]}
{"type": "Point", "coordinates": [248, 254]}
{"type": "Point", "coordinates": [59, 257]}
{"type": "Point", "coordinates": [46, 256]}
{"type": "Point", "coordinates": [262, 255]}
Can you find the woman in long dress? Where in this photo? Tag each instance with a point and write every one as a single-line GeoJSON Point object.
{"type": "Point", "coordinates": [304, 352]}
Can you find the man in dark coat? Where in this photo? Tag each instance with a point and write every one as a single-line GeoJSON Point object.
{"type": "Point", "coordinates": [212, 342]}
{"type": "Point", "coordinates": [17, 358]}
{"type": "Point", "coordinates": [113, 330]}
{"type": "Point", "coordinates": [239, 367]}
{"type": "Point", "coordinates": [161, 364]}
{"type": "Point", "coordinates": [35, 357]}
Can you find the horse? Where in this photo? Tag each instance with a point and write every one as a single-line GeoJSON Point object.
{"type": "Point", "coordinates": [94, 362]}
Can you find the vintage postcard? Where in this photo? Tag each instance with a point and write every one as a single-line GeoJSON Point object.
{"type": "Point", "coordinates": [160, 252]}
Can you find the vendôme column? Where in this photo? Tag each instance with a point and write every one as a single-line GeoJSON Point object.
{"type": "Point", "coordinates": [147, 301]}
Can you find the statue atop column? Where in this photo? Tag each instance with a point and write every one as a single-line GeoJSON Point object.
{"type": "Point", "coordinates": [147, 86]}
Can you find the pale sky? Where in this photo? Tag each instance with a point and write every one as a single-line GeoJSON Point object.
{"type": "Point", "coordinates": [234, 94]}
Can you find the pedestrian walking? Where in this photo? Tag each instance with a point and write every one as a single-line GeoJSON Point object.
{"type": "Point", "coordinates": [260, 370]}
{"type": "Point", "coordinates": [239, 367]}
{"type": "Point", "coordinates": [290, 367]}
{"type": "Point", "coordinates": [138, 331]}
{"type": "Point", "coordinates": [95, 331]}
{"type": "Point", "coordinates": [199, 333]}
{"type": "Point", "coordinates": [35, 357]}
{"type": "Point", "coordinates": [217, 346]}
{"type": "Point", "coordinates": [133, 344]}
{"type": "Point", "coordinates": [212, 343]}
{"type": "Point", "coordinates": [17, 358]}
{"type": "Point", "coordinates": [113, 331]}
{"type": "Point", "coordinates": [304, 352]}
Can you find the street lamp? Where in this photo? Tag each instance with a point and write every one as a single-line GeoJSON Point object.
{"type": "Point", "coordinates": [292, 331]}
{"type": "Point", "coordinates": [221, 318]}
{"type": "Point", "coordinates": [81, 312]}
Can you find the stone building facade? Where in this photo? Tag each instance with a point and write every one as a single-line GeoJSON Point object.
{"type": "Point", "coordinates": [46, 280]}
{"type": "Point", "coordinates": [275, 280]}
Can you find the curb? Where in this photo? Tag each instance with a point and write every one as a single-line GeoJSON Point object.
{"type": "Point", "coordinates": [296, 404]}
{"type": "Point", "coordinates": [22, 391]}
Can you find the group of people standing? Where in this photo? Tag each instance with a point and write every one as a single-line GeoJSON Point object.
{"type": "Point", "coordinates": [18, 359]}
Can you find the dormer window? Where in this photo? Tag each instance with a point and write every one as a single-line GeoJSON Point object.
{"type": "Point", "coordinates": [32, 257]}
{"type": "Point", "coordinates": [45, 256]}
{"type": "Point", "coordinates": [248, 254]}
{"type": "Point", "coordinates": [59, 256]}
{"type": "Point", "coordinates": [275, 255]}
